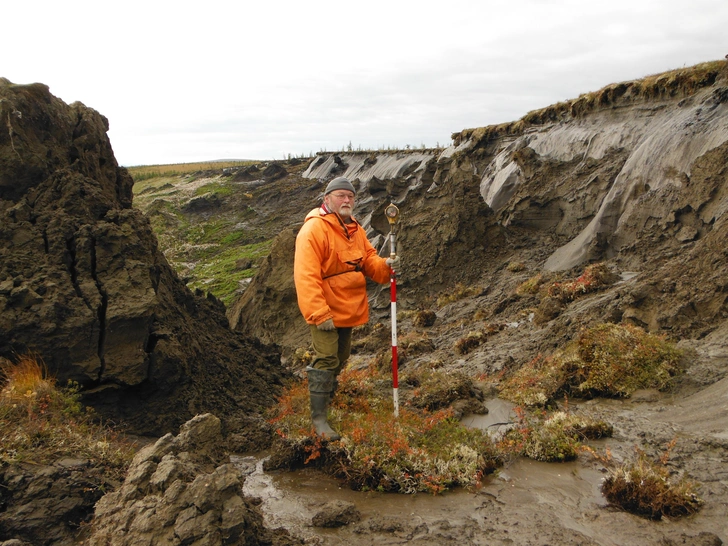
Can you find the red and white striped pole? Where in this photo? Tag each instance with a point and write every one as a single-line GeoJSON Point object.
{"type": "Point", "coordinates": [392, 213]}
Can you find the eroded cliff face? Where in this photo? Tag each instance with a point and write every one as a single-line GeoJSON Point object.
{"type": "Point", "coordinates": [84, 286]}
{"type": "Point", "coordinates": [635, 176]}
{"type": "Point", "coordinates": [639, 182]}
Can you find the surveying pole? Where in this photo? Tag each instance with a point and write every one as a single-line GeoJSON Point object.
{"type": "Point", "coordinates": [392, 213]}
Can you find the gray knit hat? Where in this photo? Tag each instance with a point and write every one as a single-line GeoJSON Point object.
{"type": "Point", "coordinates": [340, 183]}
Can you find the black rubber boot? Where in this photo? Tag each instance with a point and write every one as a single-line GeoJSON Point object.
{"type": "Point", "coordinates": [335, 386]}
{"type": "Point", "coordinates": [320, 385]}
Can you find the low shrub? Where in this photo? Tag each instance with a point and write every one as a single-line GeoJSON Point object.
{"type": "Point", "coordinates": [593, 278]}
{"type": "Point", "coordinates": [419, 451]}
{"type": "Point", "coordinates": [537, 382]}
{"type": "Point", "coordinates": [617, 359]}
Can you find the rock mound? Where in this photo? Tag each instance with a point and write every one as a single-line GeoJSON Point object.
{"type": "Point", "coordinates": [175, 493]}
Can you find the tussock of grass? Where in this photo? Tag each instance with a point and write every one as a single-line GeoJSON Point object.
{"type": "Point", "coordinates": [474, 339]}
{"type": "Point", "coordinates": [40, 422]}
{"type": "Point", "coordinates": [595, 276]}
{"type": "Point", "coordinates": [531, 286]}
{"type": "Point", "coordinates": [437, 390]}
{"type": "Point", "coordinates": [420, 451]}
{"type": "Point", "coordinates": [647, 488]}
{"type": "Point", "coordinates": [302, 357]}
{"type": "Point", "coordinates": [415, 343]}
{"type": "Point", "coordinates": [424, 318]}
{"type": "Point", "coordinates": [556, 437]}
{"type": "Point", "coordinates": [611, 360]}
{"type": "Point", "coordinates": [469, 341]}
{"type": "Point", "coordinates": [371, 337]}
{"type": "Point", "coordinates": [460, 292]}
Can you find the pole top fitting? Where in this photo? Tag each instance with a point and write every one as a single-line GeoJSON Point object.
{"type": "Point", "coordinates": [392, 212]}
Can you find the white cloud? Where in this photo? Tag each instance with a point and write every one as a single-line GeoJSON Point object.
{"type": "Point", "coordinates": [186, 81]}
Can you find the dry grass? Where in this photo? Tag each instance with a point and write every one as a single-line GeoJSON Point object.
{"type": "Point", "coordinates": [40, 422]}
{"type": "Point", "coordinates": [470, 341]}
{"type": "Point", "coordinates": [145, 172]}
{"type": "Point", "coordinates": [424, 318]}
{"type": "Point", "coordinates": [530, 286]}
{"type": "Point", "coordinates": [475, 338]}
{"type": "Point", "coordinates": [435, 390]}
{"type": "Point", "coordinates": [458, 293]}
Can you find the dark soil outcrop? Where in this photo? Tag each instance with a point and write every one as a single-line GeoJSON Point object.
{"type": "Point", "coordinates": [84, 285]}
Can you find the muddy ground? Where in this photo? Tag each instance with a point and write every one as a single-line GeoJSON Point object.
{"type": "Point", "coordinates": [528, 502]}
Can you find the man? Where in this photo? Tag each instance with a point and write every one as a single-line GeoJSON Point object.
{"type": "Point", "coordinates": [333, 257]}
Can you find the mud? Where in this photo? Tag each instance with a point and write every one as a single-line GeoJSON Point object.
{"type": "Point", "coordinates": [526, 502]}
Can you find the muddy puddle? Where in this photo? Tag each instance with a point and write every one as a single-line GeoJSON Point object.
{"type": "Point", "coordinates": [526, 502]}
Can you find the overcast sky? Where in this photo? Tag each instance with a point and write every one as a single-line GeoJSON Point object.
{"type": "Point", "coordinates": [194, 81]}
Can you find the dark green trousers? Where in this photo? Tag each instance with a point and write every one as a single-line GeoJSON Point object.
{"type": "Point", "coordinates": [332, 348]}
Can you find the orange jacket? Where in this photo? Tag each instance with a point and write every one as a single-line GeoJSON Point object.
{"type": "Point", "coordinates": [332, 258]}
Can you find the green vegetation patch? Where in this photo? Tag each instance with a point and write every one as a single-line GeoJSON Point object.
{"type": "Point", "coordinates": [611, 360]}
{"type": "Point", "coordinates": [215, 188]}
{"type": "Point", "coordinates": [219, 271]}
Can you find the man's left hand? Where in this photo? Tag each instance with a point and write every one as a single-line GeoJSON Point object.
{"type": "Point", "coordinates": [327, 326]}
{"type": "Point", "coordinates": [393, 262]}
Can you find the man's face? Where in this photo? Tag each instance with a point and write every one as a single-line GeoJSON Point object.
{"type": "Point", "coordinates": [341, 202]}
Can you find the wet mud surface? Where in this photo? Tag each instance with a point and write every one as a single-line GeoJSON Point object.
{"type": "Point", "coordinates": [526, 502]}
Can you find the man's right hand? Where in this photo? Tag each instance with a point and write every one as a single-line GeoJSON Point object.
{"type": "Point", "coordinates": [326, 326]}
